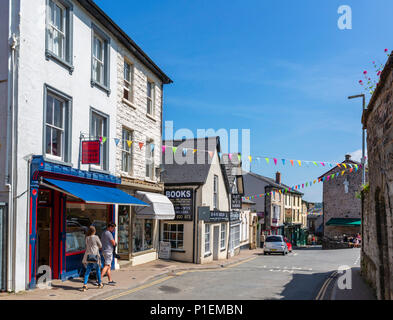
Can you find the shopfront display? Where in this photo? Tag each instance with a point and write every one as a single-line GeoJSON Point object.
{"type": "Point", "coordinates": [124, 231]}
{"type": "Point", "coordinates": [142, 234]}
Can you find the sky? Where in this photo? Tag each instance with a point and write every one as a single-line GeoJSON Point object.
{"type": "Point", "coordinates": [282, 69]}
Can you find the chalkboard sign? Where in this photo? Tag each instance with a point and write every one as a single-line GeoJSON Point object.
{"type": "Point", "coordinates": [183, 203]}
{"type": "Point", "coordinates": [165, 250]}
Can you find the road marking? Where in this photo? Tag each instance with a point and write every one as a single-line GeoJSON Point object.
{"type": "Point", "coordinates": [170, 277]}
{"type": "Point", "coordinates": [139, 288]}
{"type": "Point", "coordinates": [324, 287]}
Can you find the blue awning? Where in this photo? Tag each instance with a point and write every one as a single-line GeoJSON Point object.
{"type": "Point", "coordinates": [94, 194]}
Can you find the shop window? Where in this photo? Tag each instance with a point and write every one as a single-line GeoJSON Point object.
{"type": "Point", "coordinates": [80, 217]}
{"type": "Point", "coordinates": [126, 152]}
{"type": "Point", "coordinates": [207, 238]}
{"type": "Point", "coordinates": [142, 234]}
{"type": "Point", "coordinates": [123, 230]}
{"type": "Point", "coordinates": [59, 32]}
{"type": "Point", "coordinates": [223, 235]}
{"type": "Point", "coordinates": [174, 233]}
{"type": "Point", "coordinates": [57, 130]}
{"type": "Point", "coordinates": [99, 129]}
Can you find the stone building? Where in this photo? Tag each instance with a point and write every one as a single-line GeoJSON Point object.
{"type": "Point", "coordinates": [377, 251]}
{"type": "Point", "coordinates": [341, 207]}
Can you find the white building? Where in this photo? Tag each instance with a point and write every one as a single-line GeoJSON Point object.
{"type": "Point", "coordinates": [60, 83]}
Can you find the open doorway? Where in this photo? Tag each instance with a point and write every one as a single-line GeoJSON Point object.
{"type": "Point", "coordinates": [43, 238]}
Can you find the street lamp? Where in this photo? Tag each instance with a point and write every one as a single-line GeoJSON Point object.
{"type": "Point", "coordinates": [364, 138]}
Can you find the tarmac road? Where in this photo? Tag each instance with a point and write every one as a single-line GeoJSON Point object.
{"type": "Point", "coordinates": [300, 275]}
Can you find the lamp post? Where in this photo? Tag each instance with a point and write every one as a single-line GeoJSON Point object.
{"type": "Point", "coordinates": [363, 138]}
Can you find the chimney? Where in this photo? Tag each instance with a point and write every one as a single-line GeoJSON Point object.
{"type": "Point", "coordinates": [347, 157]}
{"type": "Point", "coordinates": [278, 177]}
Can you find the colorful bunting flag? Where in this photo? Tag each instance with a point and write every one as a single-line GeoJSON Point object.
{"type": "Point", "coordinates": [129, 143]}
{"type": "Point", "coordinates": [117, 141]}
{"type": "Point", "coordinates": [283, 162]}
{"type": "Point", "coordinates": [275, 161]}
{"type": "Point", "coordinates": [291, 162]}
{"type": "Point", "coordinates": [141, 144]}
{"type": "Point", "coordinates": [300, 163]}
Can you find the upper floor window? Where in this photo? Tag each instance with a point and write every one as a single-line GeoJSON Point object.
{"type": "Point", "coordinates": [150, 97]}
{"type": "Point", "coordinates": [215, 192]}
{"type": "Point", "coordinates": [150, 159]}
{"type": "Point", "coordinates": [57, 125]}
{"type": "Point", "coordinates": [99, 129]}
{"type": "Point", "coordinates": [59, 31]}
{"type": "Point", "coordinates": [128, 93]}
{"type": "Point", "coordinates": [126, 152]}
{"type": "Point", "coordinates": [100, 59]}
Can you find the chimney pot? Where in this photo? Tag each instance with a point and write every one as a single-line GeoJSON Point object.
{"type": "Point", "coordinates": [278, 177]}
{"type": "Point", "coordinates": [347, 157]}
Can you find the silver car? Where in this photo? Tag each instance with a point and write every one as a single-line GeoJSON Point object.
{"type": "Point", "coordinates": [275, 244]}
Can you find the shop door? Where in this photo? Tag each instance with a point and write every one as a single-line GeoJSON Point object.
{"type": "Point", "coordinates": [43, 239]}
{"type": "Point", "coordinates": [216, 242]}
{"type": "Point", "coordinates": [3, 212]}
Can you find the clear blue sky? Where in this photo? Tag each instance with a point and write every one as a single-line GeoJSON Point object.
{"type": "Point", "coordinates": [282, 69]}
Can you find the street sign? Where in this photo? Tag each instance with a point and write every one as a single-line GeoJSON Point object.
{"type": "Point", "coordinates": [91, 152]}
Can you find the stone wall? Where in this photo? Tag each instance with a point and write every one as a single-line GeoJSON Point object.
{"type": "Point", "coordinates": [337, 203]}
{"type": "Point", "coordinates": [377, 257]}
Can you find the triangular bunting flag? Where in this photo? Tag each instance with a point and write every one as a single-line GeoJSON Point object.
{"type": "Point", "coordinates": [129, 143]}
{"type": "Point", "coordinates": [267, 160]}
{"type": "Point", "coordinates": [275, 161]}
{"type": "Point", "coordinates": [283, 162]}
{"type": "Point", "coordinates": [250, 158]}
{"type": "Point", "coordinates": [117, 141]}
{"type": "Point", "coordinates": [239, 157]}
{"type": "Point", "coordinates": [163, 149]}
{"type": "Point", "coordinates": [291, 161]}
{"type": "Point", "coordinates": [141, 145]}
{"type": "Point", "coordinates": [211, 154]}
{"type": "Point", "coordinates": [300, 163]}
{"type": "Point", "coordinates": [315, 163]}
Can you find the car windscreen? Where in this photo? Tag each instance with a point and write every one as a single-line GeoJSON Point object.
{"type": "Point", "coordinates": [273, 239]}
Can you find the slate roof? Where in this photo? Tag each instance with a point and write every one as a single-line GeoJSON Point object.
{"type": "Point", "coordinates": [197, 167]}
{"type": "Point", "coordinates": [272, 182]}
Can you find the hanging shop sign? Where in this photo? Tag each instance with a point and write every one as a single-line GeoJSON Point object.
{"type": "Point", "coordinates": [183, 203]}
{"type": "Point", "coordinates": [91, 152]}
{"type": "Point", "coordinates": [214, 216]}
{"type": "Point", "coordinates": [234, 216]}
{"type": "Point", "coordinates": [236, 201]}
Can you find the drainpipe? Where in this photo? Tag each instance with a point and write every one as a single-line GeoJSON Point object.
{"type": "Point", "coordinates": [9, 178]}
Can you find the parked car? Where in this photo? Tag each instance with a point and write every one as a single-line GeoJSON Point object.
{"type": "Point", "coordinates": [289, 245]}
{"type": "Point", "coordinates": [275, 244]}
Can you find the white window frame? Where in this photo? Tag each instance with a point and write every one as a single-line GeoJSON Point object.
{"type": "Point", "coordinates": [207, 239]}
{"type": "Point", "coordinates": [126, 150]}
{"type": "Point", "coordinates": [97, 63]}
{"type": "Point", "coordinates": [235, 241]}
{"type": "Point", "coordinates": [104, 148]}
{"type": "Point", "coordinates": [149, 159]}
{"type": "Point", "coordinates": [52, 29]}
{"type": "Point", "coordinates": [128, 83]}
{"type": "Point", "coordinates": [177, 232]}
{"type": "Point", "coordinates": [150, 99]}
{"type": "Point", "coordinates": [223, 236]}
{"type": "Point", "coordinates": [53, 127]}
{"type": "Point", "coordinates": [215, 192]}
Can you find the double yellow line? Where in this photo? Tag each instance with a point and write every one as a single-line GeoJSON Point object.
{"type": "Point", "coordinates": [322, 291]}
{"type": "Point", "coordinates": [153, 283]}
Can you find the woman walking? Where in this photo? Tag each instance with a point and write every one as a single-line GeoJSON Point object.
{"type": "Point", "coordinates": [91, 259]}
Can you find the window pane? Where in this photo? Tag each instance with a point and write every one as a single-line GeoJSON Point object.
{"type": "Point", "coordinates": [165, 227]}
{"type": "Point", "coordinates": [149, 89]}
{"type": "Point", "coordinates": [56, 142]}
{"type": "Point", "coordinates": [48, 140]}
{"type": "Point", "coordinates": [173, 227]}
{"type": "Point", "coordinates": [127, 72]}
{"type": "Point", "coordinates": [58, 113]}
{"type": "Point", "coordinates": [180, 227]}
{"type": "Point", "coordinates": [49, 109]}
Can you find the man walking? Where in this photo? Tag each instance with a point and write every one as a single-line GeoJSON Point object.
{"type": "Point", "coordinates": [108, 245]}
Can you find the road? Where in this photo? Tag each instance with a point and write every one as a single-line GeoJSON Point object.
{"type": "Point", "coordinates": [299, 275]}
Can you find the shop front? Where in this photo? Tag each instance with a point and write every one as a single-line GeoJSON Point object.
{"type": "Point", "coordinates": [234, 233]}
{"type": "Point", "coordinates": [64, 203]}
{"type": "Point", "coordinates": [139, 227]}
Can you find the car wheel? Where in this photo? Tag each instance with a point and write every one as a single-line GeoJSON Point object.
{"type": "Point", "coordinates": [265, 253]}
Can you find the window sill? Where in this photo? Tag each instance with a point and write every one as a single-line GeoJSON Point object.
{"type": "Point", "coordinates": [128, 103]}
{"type": "Point", "coordinates": [100, 86]}
{"type": "Point", "coordinates": [50, 56]}
{"type": "Point", "coordinates": [178, 250]}
{"type": "Point", "coordinates": [223, 249]}
{"type": "Point", "coordinates": [139, 253]}
{"type": "Point", "coordinates": [99, 170]}
{"type": "Point", "coordinates": [150, 180]}
{"type": "Point", "coordinates": [54, 161]}
{"type": "Point", "coordinates": [151, 117]}
{"type": "Point", "coordinates": [207, 255]}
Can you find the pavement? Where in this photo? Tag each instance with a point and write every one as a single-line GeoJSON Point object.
{"type": "Point", "coordinates": [128, 277]}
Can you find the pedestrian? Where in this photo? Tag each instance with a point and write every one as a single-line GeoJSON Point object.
{"type": "Point", "coordinates": [108, 246]}
{"type": "Point", "coordinates": [91, 258]}
{"type": "Point", "coordinates": [313, 240]}
{"type": "Point", "coordinates": [345, 238]}
{"type": "Point", "coordinates": [263, 238]}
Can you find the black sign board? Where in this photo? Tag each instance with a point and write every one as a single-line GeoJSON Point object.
{"type": "Point", "coordinates": [213, 216]}
{"type": "Point", "coordinates": [234, 216]}
{"type": "Point", "coordinates": [236, 201]}
{"type": "Point", "coordinates": [183, 203]}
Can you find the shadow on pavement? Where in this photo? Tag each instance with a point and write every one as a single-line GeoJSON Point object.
{"type": "Point", "coordinates": [308, 248]}
{"type": "Point", "coordinates": [304, 286]}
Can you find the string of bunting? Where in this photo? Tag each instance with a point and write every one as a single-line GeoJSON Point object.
{"type": "Point", "coordinates": [257, 159]}
{"type": "Point", "coordinates": [350, 169]}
